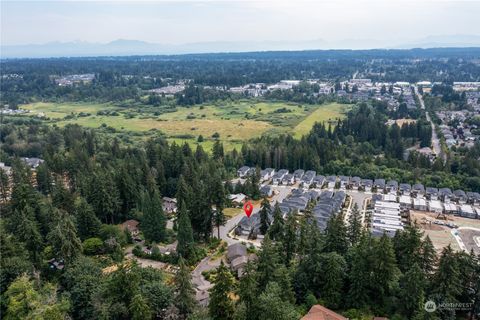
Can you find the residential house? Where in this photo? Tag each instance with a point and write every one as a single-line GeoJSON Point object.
{"type": "Point", "coordinates": [467, 211]}
{"type": "Point", "coordinates": [307, 179]}
{"type": "Point", "coordinates": [331, 181]}
{"type": "Point", "coordinates": [435, 206]}
{"type": "Point", "coordinates": [169, 205]}
{"type": "Point", "coordinates": [319, 312]}
{"type": "Point", "coordinates": [278, 176]}
{"type": "Point", "coordinates": [266, 174]}
{"type": "Point", "coordinates": [420, 204]}
{"type": "Point", "coordinates": [460, 196]}
{"type": "Point", "coordinates": [405, 202]}
{"type": "Point", "coordinates": [390, 197]}
{"type": "Point", "coordinates": [243, 172]}
{"type": "Point", "coordinates": [473, 198]}
{"type": "Point", "coordinates": [344, 182]}
{"type": "Point", "coordinates": [450, 208]}
{"type": "Point", "coordinates": [432, 193]}
{"type": "Point", "coordinates": [266, 191]}
{"type": "Point", "coordinates": [418, 190]}
{"type": "Point", "coordinates": [298, 174]}
{"type": "Point", "coordinates": [131, 226]}
{"type": "Point", "coordinates": [367, 185]}
{"type": "Point", "coordinates": [237, 199]}
{"type": "Point", "coordinates": [236, 250]}
{"type": "Point", "coordinates": [379, 185]}
{"type": "Point", "coordinates": [318, 181]}
{"type": "Point", "coordinates": [33, 162]}
{"type": "Point", "coordinates": [288, 179]}
{"type": "Point", "coordinates": [392, 186]}
{"type": "Point", "coordinates": [355, 183]}
{"type": "Point", "coordinates": [405, 189]}
{"type": "Point", "coordinates": [445, 194]}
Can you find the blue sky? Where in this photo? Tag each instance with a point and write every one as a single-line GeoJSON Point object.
{"type": "Point", "coordinates": [175, 22]}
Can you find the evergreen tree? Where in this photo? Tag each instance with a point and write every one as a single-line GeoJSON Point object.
{"type": "Point", "coordinates": [446, 282]}
{"type": "Point", "coordinates": [336, 235]}
{"type": "Point", "coordinates": [185, 294]}
{"type": "Point", "coordinates": [248, 291]}
{"type": "Point", "coordinates": [272, 307]}
{"type": "Point", "coordinates": [428, 256]}
{"type": "Point", "coordinates": [332, 276]}
{"type": "Point", "coordinates": [412, 291]}
{"type": "Point", "coordinates": [153, 224]}
{"type": "Point", "coordinates": [354, 228]}
{"type": "Point", "coordinates": [88, 225]}
{"type": "Point", "coordinates": [221, 305]}
{"type": "Point", "coordinates": [360, 273]}
{"type": "Point", "coordinates": [185, 242]}
{"type": "Point", "coordinates": [139, 309]}
{"type": "Point", "coordinates": [63, 237]}
{"type": "Point", "coordinates": [277, 228]}
{"type": "Point", "coordinates": [265, 212]}
{"type": "Point", "coordinates": [268, 262]}
{"type": "Point", "coordinates": [384, 268]}
{"type": "Point", "coordinates": [289, 240]}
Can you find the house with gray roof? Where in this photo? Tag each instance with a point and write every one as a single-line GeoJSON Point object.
{"type": "Point", "coordinates": [266, 191]}
{"type": "Point", "coordinates": [288, 179]}
{"type": "Point", "coordinates": [445, 194]}
{"type": "Point", "coordinates": [318, 181]}
{"type": "Point", "coordinates": [355, 183]}
{"type": "Point", "coordinates": [243, 172]}
{"type": "Point", "coordinates": [367, 185]}
{"type": "Point", "coordinates": [432, 193]}
{"type": "Point", "coordinates": [392, 186]}
{"type": "Point", "coordinates": [379, 184]}
{"type": "Point", "coordinates": [298, 174]}
{"type": "Point", "coordinates": [344, 182]}
{"type": "Point", "coordinates": [418, 190]}
{"type": "Point", "coordinates": [331, 181]}
{"type": "Point", "coordinates": [460, 196]}
{"type": "Point", "coordinates": [405, 189]}
{"type": "Point", "coordinates": [278, 176]}
{"type": "Point", "coordinates": [266, 174]}
{"type": "Point", "coordinates": [307, 179]}
{"type": "Point", "coordinates": [473, 198]}
{"type": "Point", "coordinates": [236, 250]}
{"type": "Point", "coordinates": [33, 162]}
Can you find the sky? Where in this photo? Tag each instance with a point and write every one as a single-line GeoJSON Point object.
{"type": "Point", "coordinates": [178, 22]}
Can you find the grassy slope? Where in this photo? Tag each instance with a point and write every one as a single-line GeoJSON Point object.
{"type": "Point", "coordinates": [323, 113]}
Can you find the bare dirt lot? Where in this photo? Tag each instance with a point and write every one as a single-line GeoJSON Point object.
{"type": "Point", "coordinates": [441, 235]}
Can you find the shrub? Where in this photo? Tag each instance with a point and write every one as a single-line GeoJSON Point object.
{"type": "Point", "coordinates": [92, 246]}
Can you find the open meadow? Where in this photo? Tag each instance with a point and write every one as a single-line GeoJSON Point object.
{"type": "Point", "coordinates": [231, 122]}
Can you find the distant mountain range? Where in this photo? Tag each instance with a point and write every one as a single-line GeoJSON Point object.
{"type": "Point", "coordinates": [123, 47]}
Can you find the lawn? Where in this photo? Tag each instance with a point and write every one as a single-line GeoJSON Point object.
{"type": "Point", "coordinates": [323, 113]}
{"type": "Point", "coordinates": [60, 110]}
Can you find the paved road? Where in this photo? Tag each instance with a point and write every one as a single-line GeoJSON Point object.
{"type": "Point", "coordinates": [437, 148]}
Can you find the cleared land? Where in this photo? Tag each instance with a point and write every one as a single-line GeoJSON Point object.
{"type": "Point", "coordinates": [324, 113]}
{"type": "Point", "coordinates": [233, 121]}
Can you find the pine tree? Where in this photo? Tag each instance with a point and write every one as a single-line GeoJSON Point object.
{"type": "Point", "coordinates": [268, 262]}
{"type": "Point", "coordinates": [185, 294]}
{"type": "Point", "coordinates": [428, 256]}
{"type": "Point", "coordinates": [221, 305]}
{"type": "Point", "coordinates": [360, 273]}
{"type": "Point", "coordinates": [277, 228]}
{"type": "Point", "coordinates": [63, 237]}
{"type": "Point", "coordinates": [272, 307]}
{"type": "Point", "coordinates": [88, 225]}
{"type": "Point", "coordinates": [139, 309]}
{"type": "Point", "coordinates": [153, 224]}
{"type": "Point", "coordinates": [248, 291]}
{"type": "Point", "coordinates": [289, 240]}
{"type": "Point", "coordinates": [354, 228]}
{"type": "Point", "coordinates": [336, 235]}
{"type": "Point", "coordinates": [447, 278]}
{"type": "Point", "coordinates": [265, 212]}
{"type": "Point", "coordinates": [384, 267]}
{"type": "Point", "coordinates": [332, 277]}
{"type": "Point", "coordinates": [412, 291]}
{"type": "Point", "coordinates": [185, 242]}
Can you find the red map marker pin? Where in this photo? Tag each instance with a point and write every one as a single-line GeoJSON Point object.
{"type": "Point", "coordinates": [248, 208]}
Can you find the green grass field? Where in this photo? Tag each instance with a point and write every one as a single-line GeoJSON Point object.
{"type": "Point", "coordinates": [233, 121]}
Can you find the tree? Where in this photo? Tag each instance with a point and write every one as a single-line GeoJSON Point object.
{"type": "Point", "coordinates": [446, 282]}
{"type": "Point", "coordinates": [218, 198]}
{"type": "Point", "coordinates": [428, 256]}
{"type": "Point", "coordinates": [103, 196]}
{"type": "Point", "coordinates": [354, 228]}
{"type": "Point", "coordinates": [153, 224]}
{"type": "Point", "coordinates": [248, 291]}
{"type": "Point", "coordinates": [88, 225]}
{"type": "Point", "coordinates": [221, 306]}
{"type": "Point", "coordinates": [412, 291]}
{"type": "Point", "coordinates": [272, 307]}
{"type": "Point", "coordinates": [268, 262]}
{"type": "Point", "coordinates": [139, 309]}
{"type": "Point", "coordinates": [289, 240]}
{"type": "Point", "coordinates": [336, 235]}
{"type": "Point", "coordinates": [332, 277]}
{"type": "Point", "coordinates": [185, 242]}
{"type": "Point", "coordinates": [14, 260]}
{"type": "Point", "coordinates": [185, 294]}
{"type": "Point", "coordinates": [265, 212]}
{"type": "Point", "coordinates": [63, 237]}
{"type": "Point", "coordinates": [384, 268]}
{"type": "Point", "coordinates": [278, 226]}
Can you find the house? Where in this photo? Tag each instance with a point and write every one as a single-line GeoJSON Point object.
{"type": "Point", "coordinates": [379, 185]}
{"type": "Point", "coordinates": [418, 190]}
{"type": "Point", "coordinates": [318, 181]}
{"type": "Point", "coordinates": [266, 174]}
{"type": "Point", "coordinates": [237, 199]}
{"type": "Point", "coordinates": [278, 176]}
{"type": "Point", "coordinates": [445, 194]}
{"type": "Point", "coordinates": [405, 189]}
{"type": "Point", "coordinates": [435, 206]}
{"type": "Point", "coordinates": [367, 185]}
{"type": "Point", "coordinates": [344, 181]}
{"type": "Point", "coordinates": [392, 186]}
{"type": "Point", "coordinates": [235, 251]}
{"type": "Point", "coordinates": [169, 205]}
{"type": "Point", "coordinates": [331, 181]}
{"type": "Point", "coordinates": [266, 191]}
{"type": "Point", "coordinates": [389, 197]}
{"type": "Point", "coordinates": [355, 183]}
{"type": "Point", "coordinates": [419, 204]}
{"type": "Point", "coordinates": [473, 197]}
{"type": "Point", "coordinates": [131, 226]}
{"type": "Point", "coordinates": [243, 172]}
{"type": "Point", "coordinates": [288, 179]}
{"type": "Point", "coordinates": [467, 211]}
{"type": "Point", "coordinates": [450, 208]}
{"type": "Point", "coordinates": [33, 162]}
{"type": "Point", "coordinates": [298, 174]}
{"type": "Point", "coordinates": [460, 196]}
{"type": "Point", "coordinates": [56, 264]}
{"type": "Point", "coordinates": [405, 202]}
{"type": "Point", "coordinates": [307, 179]}
{"type": "Point", "coordinates": [432, 193]}
{"type": "Point", "coordinates": [318, 312]}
